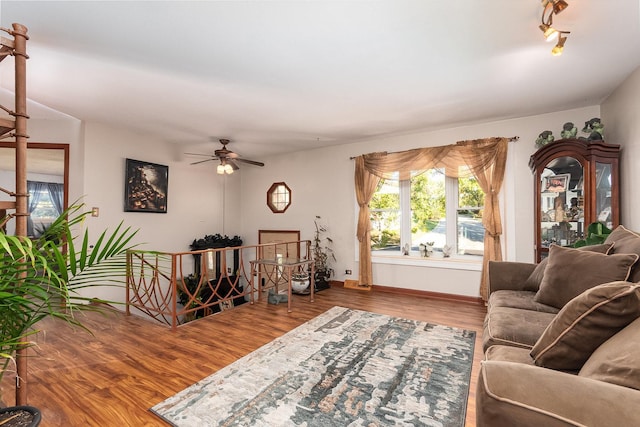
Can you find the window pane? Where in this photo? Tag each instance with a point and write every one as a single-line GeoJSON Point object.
{"type": "Point", "coordinates": [44, 213]}
{"type": "Point", "coordinates": [470, 232]}
{"type": "Point", "coordinates": [469, 193]}
{"type": "Point", "coordinates": [385, 216]}
{"type": "Point", "coordinates": [469, 217]}
{"type": "Point", "coordinates": [45, 210]}
{"type": "Point", "coordinates": [428, 214]}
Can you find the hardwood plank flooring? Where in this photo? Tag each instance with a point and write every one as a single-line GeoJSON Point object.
{"type": "Point", "coordinates": [112, 378]}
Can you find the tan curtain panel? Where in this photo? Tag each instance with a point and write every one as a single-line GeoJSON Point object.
{"type": "Point", "coordinates": [366, 185]}
{"type": "Point", "coordinates": [483, 158]}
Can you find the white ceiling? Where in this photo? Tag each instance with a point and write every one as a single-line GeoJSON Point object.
{"type": "Point", "coordinates": [278, 76]}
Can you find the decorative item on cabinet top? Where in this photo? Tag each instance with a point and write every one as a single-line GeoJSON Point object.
{"type": "Point", "coordinates": [594, 128]}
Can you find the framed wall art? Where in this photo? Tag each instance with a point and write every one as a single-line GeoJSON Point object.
{"type": "Point", "coordinates": [556, 183]}
{"type": "Point", "coordinates": [145, 187]}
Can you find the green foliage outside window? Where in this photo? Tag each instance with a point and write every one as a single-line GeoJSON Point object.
{"type": "Point", "coordinates": [428, 206]}
{"type": "Point", "coordinates": [385, 215]}
{"type": "Point", "coordinates": [427, 200]}
{"type": "Point", "coordinates": [470, 194]}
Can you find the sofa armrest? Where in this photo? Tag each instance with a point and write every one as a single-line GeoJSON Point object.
{"type": "Point", "coordinates": [508, 275]}
{"type": "Point", "coordinates": [514, 394]}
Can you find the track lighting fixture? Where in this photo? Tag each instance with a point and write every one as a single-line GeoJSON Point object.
{"type": "Point", "coordinates": [550, 8]}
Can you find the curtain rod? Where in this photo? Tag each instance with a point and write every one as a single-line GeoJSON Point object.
{"type": "Point", "coordinates": [512, 139]}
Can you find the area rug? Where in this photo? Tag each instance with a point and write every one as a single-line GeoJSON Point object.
{"type": "Point", "coordinates": [343, 368]}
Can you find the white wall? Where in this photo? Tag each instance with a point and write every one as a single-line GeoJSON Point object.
{"type": "Point", "coordinates": [322, 183]}
{"type": "Point", "coordinates": [96, 177]}
{"type": "Point", "coordinates": [621, 118]}
{"type": "Point", "coordinates": [195, 194]}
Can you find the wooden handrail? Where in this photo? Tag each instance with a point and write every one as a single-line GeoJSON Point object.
{"type": "Point", "coordinates": [155, 280]}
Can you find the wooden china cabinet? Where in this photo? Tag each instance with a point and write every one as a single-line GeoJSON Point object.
{"type": "Point", "coordinates": [577, 182]}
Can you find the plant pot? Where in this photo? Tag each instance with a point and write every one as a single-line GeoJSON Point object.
{"type": "Point", "coordinates": [20, 416]}
{"type": "Point", "coordinates": [300, 286]}
{"type": "Point", "coordinates": [321, 280]}
{"type": "Point", "coordinates": [300, 283]}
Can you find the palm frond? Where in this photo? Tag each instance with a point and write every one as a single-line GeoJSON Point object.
{"type": "Point", "coordinates": [43, 277]}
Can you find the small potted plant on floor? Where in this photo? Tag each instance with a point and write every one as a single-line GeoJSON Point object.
{"type": "Point", "coordinates": [322, 256]}
{"type": "Point", "coordinates": [42, 277]}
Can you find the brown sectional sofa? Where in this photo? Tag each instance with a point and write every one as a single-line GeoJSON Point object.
{"type": "Point", "coordinates": [562, 338]}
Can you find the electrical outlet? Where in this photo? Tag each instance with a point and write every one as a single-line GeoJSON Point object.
{"type": "Point", "coordinates": [347, 272]}
{"type": "Point", "coordinates": [229, 270]}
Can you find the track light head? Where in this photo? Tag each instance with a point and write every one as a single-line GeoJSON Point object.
{"type": "Point", "coordinates": [549, 32]}
{"type": "Point", "coordinates": [559, 47]}
{"type": "Point", "coordinates": [559, 6]}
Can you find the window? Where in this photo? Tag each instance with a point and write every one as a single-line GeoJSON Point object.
{"type": "Point", "coordinates": [45, 205]}
{"type": "Point", "coordinates": [278, 197]}
{"type": "Point", "coordinates": [428, 208]}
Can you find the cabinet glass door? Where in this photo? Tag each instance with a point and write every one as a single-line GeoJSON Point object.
{"type": "Point", "coordinates": [562, 202]}
{"type": "Point", "coordinates": [603, 194]}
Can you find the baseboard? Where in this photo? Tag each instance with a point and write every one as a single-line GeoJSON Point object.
{"type": "Point", "coordinates": [426, 294]}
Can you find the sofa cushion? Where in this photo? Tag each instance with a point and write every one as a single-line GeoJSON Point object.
{"type": "Point", "coordinates": [514, 327]}
{"type": "Point", "coordinates": [617, 361]}
{"type": "Point", "coordinates": [518, 299]}
{"type": "Point", "coordinates": [517, 395]}
{"type": "Point", "coordinates": [585, 323]}
{"type": "Point", "coordinates": [626, 242]}
{"type": "Point", "coordinates": [533, 281]}
{"type": "Point", "coordinates": [507, 353]}
{"type": "Point", "coordinates": [570, 272]}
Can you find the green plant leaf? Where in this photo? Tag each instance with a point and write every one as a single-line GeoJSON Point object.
{"type": "Point", "coordinates": [41, 278]}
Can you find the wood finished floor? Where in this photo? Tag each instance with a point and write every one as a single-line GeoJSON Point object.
{"type": "Point", "coordinates": [130, 364]}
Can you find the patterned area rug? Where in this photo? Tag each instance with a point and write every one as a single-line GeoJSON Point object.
{"type": "Point", "coordinates": [343, 368]}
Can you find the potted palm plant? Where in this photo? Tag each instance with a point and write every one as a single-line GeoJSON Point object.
{"type": "Point", "coordinates": [43, 277]}
{"type": "Point", "coordinates": [322, 255]}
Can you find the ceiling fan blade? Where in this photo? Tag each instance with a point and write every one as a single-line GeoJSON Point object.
{"type": "Point", "coordinates": [251, 162]}
{"type": "Point", "coordinates": [233, 164]}
{"type": "Point", "coordinates": [198, 154]}
{"type": "Point", "coordinates": [202, 161]}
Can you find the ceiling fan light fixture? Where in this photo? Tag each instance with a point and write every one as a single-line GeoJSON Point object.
{"type": "Point", "coordinates": [227, 158]}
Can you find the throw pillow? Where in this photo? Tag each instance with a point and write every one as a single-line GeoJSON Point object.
{"type": "Point", "coordinates": [535, 278]}
{"type": "Point", "coordinates": [585, 323]}
{"type": "Point", "coordinates": [617, 361]}
{"type": "Point", "coordinates": [626, 242]}
{"type": "Point", "coordinates": [570, 272]}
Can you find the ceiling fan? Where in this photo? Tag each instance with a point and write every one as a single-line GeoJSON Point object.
{"type": "Point", "coordinates": [228, 159]}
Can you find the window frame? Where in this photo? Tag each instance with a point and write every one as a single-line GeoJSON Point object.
{"type": "Point", "coordinates": [464, 261]}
